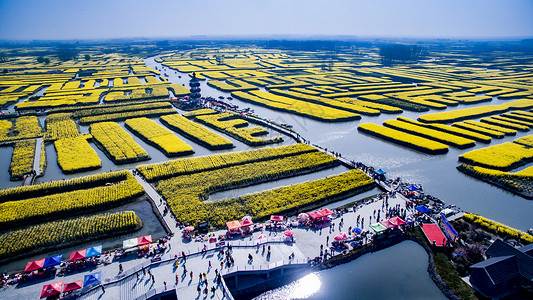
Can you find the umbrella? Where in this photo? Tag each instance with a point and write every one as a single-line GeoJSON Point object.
{"type": "Point", "coordinates": [357, 230]}
{"type": "Point", "coordinates": [262, 236]}
{"type": "Point", "coordinates": [341, 236]}
{"type": "Point", "coordinates": [288, 233]}
{"type": "Point", "coordinates": [412, 188]}
{"type": "Point", "coordinates": [246, 218]}
{"type": "Point", "coordinates": [129, 243]}
{"type": "Point", "coordinates": [188, 228]}
{"type": "Point", "coordinates": [52, 261]}
{"type": "Point", "coordinates": [92, 278]}
{"type": "Point", "coordinates": [276, 218]}
{"type": "Point", "coordinates": [303, 216]}
{"type": "Point", "coordinates": [246, 223]}
{"type": "Point", "coordinates": [94, 251]}
{"type": "Point", "coordinates": [51, 289]}
{"type": "Point", "coordinates": [76, 255]}
{"type": "Point", "coordinates": [34, 265]}
{"type": "Point", "coordinates": [78, 284]}
{"type": "Point", "coordinates": [147, 239]}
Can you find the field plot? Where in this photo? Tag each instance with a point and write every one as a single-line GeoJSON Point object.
{"type": "Point", "coordinates": [493, 164]}
{"type": "Point", "coordinates": [196, 132]}
{"type": "Point", "coordinates": [117, 143]}
{"type": "Point", "coordinates": [185, 193]}
{"type": "Point", "coordinates": [231, 124]}
{"type": "Point", "coordinates": [22, 159]}
{"type": "Point", "coordinates": [76, 155]}
{"type": "Point", "coordinates": [159, 137]}
{"type": "Point", "coordinates": [43, 216]}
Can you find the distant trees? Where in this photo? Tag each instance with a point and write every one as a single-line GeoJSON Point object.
{"type": "Point", "coordinates": [87, 57]}
{"type": "Point", "coordinates": [43, 60]}
{"type": "Point", "coordinates": [67, 52]}
{"type": "Point", "coordinates": [3, 57]}
{"type": "Point", "coordinates": [397, 53]}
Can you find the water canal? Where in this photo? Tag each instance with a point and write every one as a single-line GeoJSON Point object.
{"type": "Point", "coordinates": [436, 173]}
{"type": "Point", "coordinates": [398, 272]}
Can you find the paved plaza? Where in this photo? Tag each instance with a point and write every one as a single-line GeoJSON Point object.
{"type": "Point", "coordinates": [307, 243]}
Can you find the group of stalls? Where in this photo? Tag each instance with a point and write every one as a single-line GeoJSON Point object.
{"type": "Point", "coordinates": [389, 225]}
{"type": "Point", "coordinates": [315, 217]}
{"type": "Point", "coordinates": [46, 267]}
{"type": "Point", "coordinates": [245, 226]}
{"type": "Point", "coordinates": [53, 290]}
{"type": "Point", "coordinates": [141, 244]}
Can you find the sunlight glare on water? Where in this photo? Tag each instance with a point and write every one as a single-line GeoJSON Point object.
{"type": "Point", "coordinates": [306, 287]}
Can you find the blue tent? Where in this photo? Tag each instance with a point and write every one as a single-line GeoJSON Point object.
{"type": "Point", "coordinates": [412, 188]}
{"type": "Point", "coordinates": [92, 278]}
{"type": "Point", "coordinates": [52, 261]}
{"type": "Point", "coordinates": [423, 209]}
{"type": "Point", "coordinates": [357, 230]}
{"type": "Point", "coordinates": [380, 172]}
{"type": "Point", "coordinates": [93, 251]}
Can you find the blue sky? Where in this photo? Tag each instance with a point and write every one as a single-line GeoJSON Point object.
{"type": "Point", "coordinates": [98, 19]}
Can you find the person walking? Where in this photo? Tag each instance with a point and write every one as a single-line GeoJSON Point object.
{"type": "Point", "coordinates": [120, 268]}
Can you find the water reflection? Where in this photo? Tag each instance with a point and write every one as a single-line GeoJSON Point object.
{"type": "Point", "coordinates": [398, 272]}
{"type": "Point", "coordinates": [306, 287]}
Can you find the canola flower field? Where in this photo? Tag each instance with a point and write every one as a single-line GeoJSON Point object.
{"type": "Point", "coordinates": [162, 138]}
{"type": "Point", "coordinates": [63, 233]}
{"type": "Point", "coordinates": [117, 143]}
{"type": "Point", "coordinates": [460, 101]}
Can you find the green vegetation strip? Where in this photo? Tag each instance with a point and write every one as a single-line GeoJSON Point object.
{"type": "Point", "coordinates": [404, 139]}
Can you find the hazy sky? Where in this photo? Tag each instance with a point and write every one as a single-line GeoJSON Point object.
{"type": "Point", "coordinates": [95, 19]}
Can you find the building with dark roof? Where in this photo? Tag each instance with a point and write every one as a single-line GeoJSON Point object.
{"type": "Point", "coordinates": [505, 270]}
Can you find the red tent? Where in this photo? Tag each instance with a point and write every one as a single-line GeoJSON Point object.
{"type": "Point", "coordinates": [397, 221]}
{"type": "Point", "coordinates": [246, 223]}
{"type": "Point", "coordinates": [73, 286]}
{"type": "Point", "coordinates": [315, 215]}
{"type": "Point", "coordinates": [387, 224]}
{"type": "Point", "coordinates": [76, 255]}
{"type": "Point", "coordinates": [143, 240]}
{"type": "Point", "coordinates": [34, 265]}
{"type": "Point", "coordinates": [276, 218]}
{"type": "Point", "coordinates": [233, 225]}
{"type": "Point", "coordinates": [51, 289]}
{"type": "Point", "coordinates": [326, 212]}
